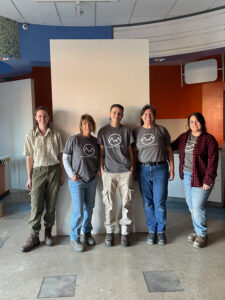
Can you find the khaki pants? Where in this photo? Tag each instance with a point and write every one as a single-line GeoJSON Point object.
{"type": "Point", "coordinates": [110, 183]}
{"type": "Point", "coordinates": [45, 187]}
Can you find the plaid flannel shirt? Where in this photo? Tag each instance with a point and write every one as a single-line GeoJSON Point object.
{"type": "Point", "coordinates": [205, 158]}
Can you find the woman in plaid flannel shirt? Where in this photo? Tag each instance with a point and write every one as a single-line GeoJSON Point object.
{"type": "Point", "coordinates": [198, 153]}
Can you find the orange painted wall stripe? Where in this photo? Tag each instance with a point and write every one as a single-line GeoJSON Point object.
{"type": "Point", "coordinates": [170, 99]}
{"type": "Point", "coordinates": [175, 102]}
{"type": "Point", "coordinates": [212, 108]}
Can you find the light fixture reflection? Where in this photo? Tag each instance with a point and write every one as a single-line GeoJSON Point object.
{"type": "Point", "coordinates": [79, 9]}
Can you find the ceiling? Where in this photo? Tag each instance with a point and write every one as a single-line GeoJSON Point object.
{"type": "Point", "coordinates": [102, 13]}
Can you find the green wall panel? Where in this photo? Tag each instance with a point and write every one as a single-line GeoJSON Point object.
{"type": "Point", "coordinates": [9, 38]}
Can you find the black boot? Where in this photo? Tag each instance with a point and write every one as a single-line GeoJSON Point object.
{"type": "Point", "coordinates": [31, 242]}
{"type": "Point", "coordinates": [109, 240]}
{"type": "Point", "coordinates": [48, 237]}
{"type": "Point", "coordinates": [125, 240]}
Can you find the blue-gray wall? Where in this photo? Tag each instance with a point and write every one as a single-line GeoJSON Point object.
{"type": "Point", "coordinates": [35, 45]}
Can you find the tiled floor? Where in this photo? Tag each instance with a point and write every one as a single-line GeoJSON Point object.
{"type": "Point", "coordinates": [3, 239]}
{"type": "Point", "coordinates": [58, 286]}
{"type": "Point", "coordinates": [175, 271]}
{"type": "Point", "coordinates": [162, 281]}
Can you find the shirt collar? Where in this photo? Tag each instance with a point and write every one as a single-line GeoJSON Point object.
{"type": "Point", "coordinates": [37, 132]}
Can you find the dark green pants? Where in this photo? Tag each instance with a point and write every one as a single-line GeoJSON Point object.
{"type": "Point", "coordinates": [45, 187]}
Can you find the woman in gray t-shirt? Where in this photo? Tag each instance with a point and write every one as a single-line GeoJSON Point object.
{"type": "Point", "coordinates": [153, 152]}
{"type": "Point", "coordinates": [81, 162]}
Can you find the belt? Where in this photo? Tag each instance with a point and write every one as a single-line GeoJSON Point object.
{"type": "Point", "coordinates": [154, 163]}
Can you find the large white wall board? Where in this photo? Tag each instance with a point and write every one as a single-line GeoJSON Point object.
{"type": "Point", "coordinates": [88, 76]}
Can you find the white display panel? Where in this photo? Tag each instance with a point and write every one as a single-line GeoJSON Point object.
{"type": "Point", "coordinates": [200, 71]}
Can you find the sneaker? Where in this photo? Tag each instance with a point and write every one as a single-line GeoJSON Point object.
{"type": "Point", "coordinates": [48, 238]}
{"type": "Point", "coordinates": [125, 240]}
{"type": "Point", "coordinates": [88, 238]}
{"type": "Point", "coordinates": [109, 240]}
{"type": "Point", "coordinates": [151, 238]}
{"type": "Point", "coordinates": [31, 242]}
{"type": "Point", "coordinates": [200, 241]}
{"type": "Point", "coordinates": [76, 246]}
{"type": "Point", "coordinates": [161, 236]}
{"type": "Point", "coordinates": [192, 237]}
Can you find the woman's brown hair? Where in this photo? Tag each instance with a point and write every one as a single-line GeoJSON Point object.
{"type": "Point", "coordinates": [88, 118]}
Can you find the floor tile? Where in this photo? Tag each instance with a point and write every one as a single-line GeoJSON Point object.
{"type": "Point", "coordinates": [162, 281]}
{"type": "Point", "coordinates": [58, 286]}
{"type": "Point", "coordinates": [3, 239]}
{"type": "Point", "coordinates": [62, 240]}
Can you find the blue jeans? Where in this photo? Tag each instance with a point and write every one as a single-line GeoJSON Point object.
{"type": "Point", "coordinates": [83, 197]}
{"type": "Point", "coordinates": [196, 200]}
{"type": "Point", "coordinates": [153, 183]}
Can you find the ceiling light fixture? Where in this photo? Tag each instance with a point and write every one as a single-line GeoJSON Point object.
{"type": "Point", "coordinates": [159, 59]}
{"type": "Point", "coordinates": [79, 9]}
{"type": "Point", "coordinates": [79, 6]}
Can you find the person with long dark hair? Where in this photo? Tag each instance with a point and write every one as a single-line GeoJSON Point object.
{"type": "Point", "coordinates": [198, 153]}
{"type": "Point", "coordinates": [43, 150]}
{"type": "Point", "coordinates": [155, 166]}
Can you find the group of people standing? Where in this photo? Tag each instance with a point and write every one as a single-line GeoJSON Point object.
{"type": "Point", "coordinates": [118, 155]}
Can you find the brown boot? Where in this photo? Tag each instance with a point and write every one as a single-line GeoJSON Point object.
{"type": "Point", "coordinates": [31, 242]}
{"type": "Point", "coordinates": [48, 238]}
{"type": "Point", "coordinates": [192, 236]}
{"type": "Point", "coordinates": [200, 241]}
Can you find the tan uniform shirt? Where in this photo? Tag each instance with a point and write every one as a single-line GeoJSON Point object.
{"type": "Point", "coordinates": [45, 150]}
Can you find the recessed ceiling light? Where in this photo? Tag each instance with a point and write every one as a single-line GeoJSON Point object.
{"type": "Point", "coordinates": [159, 59]}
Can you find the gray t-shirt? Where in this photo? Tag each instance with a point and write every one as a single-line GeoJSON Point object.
{"type": "Point", "coordinates": [116, 141]}
{"type": "Point", "coordinates": [151, 143]}
{"type": "Point", "coordinates": [188, 152]}
{"type": "Point", "coordinates": [84, 154]}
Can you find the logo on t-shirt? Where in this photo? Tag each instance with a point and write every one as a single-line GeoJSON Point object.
{"type": "Point", "coordinates": [147, 139]}
{"type": "Point", "coordinates": [115, 139]}
{"type": "Point", "coordinates": [190, 146]}
{"type": "Point", "coordinates": [89, 150]}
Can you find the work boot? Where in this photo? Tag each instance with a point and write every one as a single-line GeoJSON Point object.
{"type": "Point", "coordinates": [88, 238]}
{"type": "Point", "coordinates": [161, 236]}
{"type": "Point", "coordinates": [31, 242]}
{"type": "Point", "coordinates": [109, 240]}
{"type": "Point", "coordinates": [77, 246]}
{"type": "Point", "coordinates": [48, 238]}
{"type": "Point", "coordinates": [200, 241]}
{"type": "Point", "coordinates": [151, 238]}
{"type": "Point", "coordinates": [192, 236]}
{"type": "Point", "coordinates": [125, 240]}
